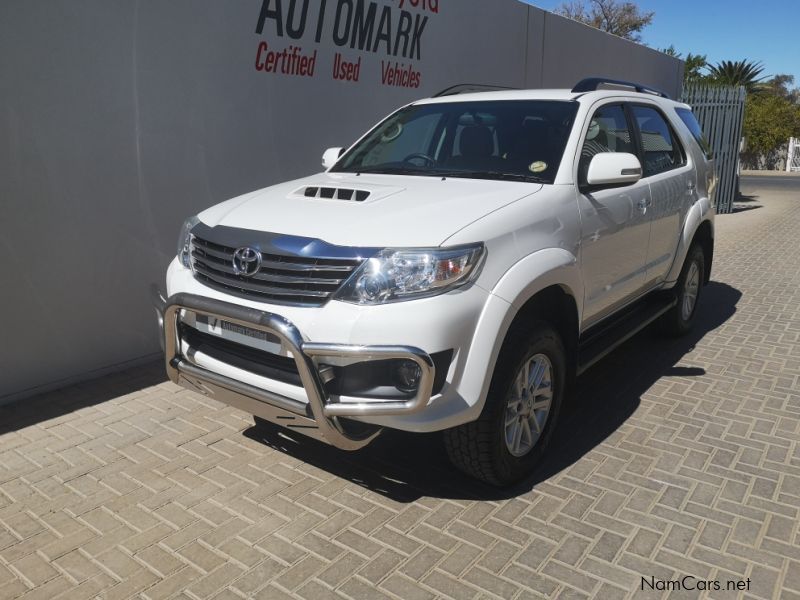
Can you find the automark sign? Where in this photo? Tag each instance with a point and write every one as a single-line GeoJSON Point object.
{"type": "Point", "coordinates": [393, 31]}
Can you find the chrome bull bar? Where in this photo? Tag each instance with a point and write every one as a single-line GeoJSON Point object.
{"type": "Point", "coordinates": [318, 418]}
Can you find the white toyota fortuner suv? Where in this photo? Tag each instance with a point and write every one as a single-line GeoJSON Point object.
{"type": "Point", "coordinates": [451, 271]}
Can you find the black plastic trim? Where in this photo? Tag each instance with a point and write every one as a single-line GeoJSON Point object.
{"type": "Point", "coordinates": [260, 362]}
{"type": "Point", "coordinates": [376, 378]}
{"type": "Point", "coordinates": [601, 339]}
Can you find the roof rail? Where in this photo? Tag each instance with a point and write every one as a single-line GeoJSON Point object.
{"type": "Point", "coordinates": [468, 88]}
{"type": "Point", "coordinates": [592, 84]}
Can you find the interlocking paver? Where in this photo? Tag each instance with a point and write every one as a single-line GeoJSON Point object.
{"type": "Point", "coordinates": [678, 457]}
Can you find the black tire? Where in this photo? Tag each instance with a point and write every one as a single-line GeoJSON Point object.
{"type": "Point", "coordinates": [479, 448]}
{"type": "Point", "coordinates": [678, 321]}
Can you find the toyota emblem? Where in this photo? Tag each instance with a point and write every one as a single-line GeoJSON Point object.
{"type": "Point", "coordinates": [246, 261]}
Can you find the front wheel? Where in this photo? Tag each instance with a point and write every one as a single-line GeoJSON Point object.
{"type": "Point", "coordinates": [679, 319]}
{"type": "Point", "coordinates": [509, 438]}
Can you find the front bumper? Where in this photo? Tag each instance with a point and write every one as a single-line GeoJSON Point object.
{"type": "Point", "coordinates": [320, 417]}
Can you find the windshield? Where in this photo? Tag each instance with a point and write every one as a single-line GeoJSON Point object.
{"type": "Point", "coordinates": [515, 140]}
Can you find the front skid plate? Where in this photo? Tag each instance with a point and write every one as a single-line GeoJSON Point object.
{"type": "Point", "coordinates": [266, 411]}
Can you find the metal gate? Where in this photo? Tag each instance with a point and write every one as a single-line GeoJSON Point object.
{"type": "Point", "coordinates": [793, 158]}
{"type": "Point", "coordinates": [720, 111]}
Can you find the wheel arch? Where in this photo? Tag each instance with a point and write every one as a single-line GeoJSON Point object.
{"type": "Point", "coordinates": [704, 235]}
{"type": "Point", "coordinates": [555, 305]}
{"type": "Point", "coordinates": [544, 285]}
{"type": "Point", "coordinates": [698, 226]}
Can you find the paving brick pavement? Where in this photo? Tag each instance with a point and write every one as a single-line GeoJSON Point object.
{"type": "Point", "coordinates": [679, 458]}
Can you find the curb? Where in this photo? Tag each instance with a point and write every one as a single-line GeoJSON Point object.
{"type": "Point", "coordinates": [764, 173]}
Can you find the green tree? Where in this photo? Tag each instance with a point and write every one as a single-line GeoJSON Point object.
{"type": "Point", "coordinates": [693, 65]}
{"type": "Point", "coordinates": [783, 85]}
{"type": "Point", "coordinates": [769, 121]}
{"type": "Point", "coordinates": [693, 68]}
{"type": "Point", "coordinates": [740, 72]}
{"type": "Point", "coordinates": [613, 16]}
{"type": "Point", "coordinates": [671, 51]}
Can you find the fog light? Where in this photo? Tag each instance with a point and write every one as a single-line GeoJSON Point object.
{"type": "Point", "coordinates": [408, 376]}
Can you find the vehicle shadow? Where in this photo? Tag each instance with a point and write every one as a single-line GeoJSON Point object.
{"type": "Point", "coordinates": [405, 467]}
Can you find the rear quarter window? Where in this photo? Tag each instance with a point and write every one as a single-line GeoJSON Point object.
{"type": "Point", "coordinates": [688, 118]}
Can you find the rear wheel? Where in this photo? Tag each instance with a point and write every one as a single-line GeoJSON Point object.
{"type": "Point", "coordinates": [680, 318]}
{"type": "Point", "coordinates": [509, 438]}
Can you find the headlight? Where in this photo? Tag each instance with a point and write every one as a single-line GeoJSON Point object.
{"type": "Point", "coordinates": [394, 274]}
{"type": "Point", "coordinates": [184, 241]}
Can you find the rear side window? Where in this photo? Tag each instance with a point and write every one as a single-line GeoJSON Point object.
{"type": "Point", "coordinates": [660, 147]}
{"type": "Point", "coordinates": [688, 118]}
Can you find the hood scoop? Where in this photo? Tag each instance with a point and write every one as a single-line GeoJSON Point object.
{"type": "Point", "coordinates": [333, 193]}
{"type": "Point", "coordinates": [349, 190]}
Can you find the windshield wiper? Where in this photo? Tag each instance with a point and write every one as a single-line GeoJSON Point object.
{"type": "Point", "coordinates": [393, 171]}
{"type": "Point", "coordinates": [493, 175]}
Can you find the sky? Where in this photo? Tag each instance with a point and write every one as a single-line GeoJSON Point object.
{"type": "Point", "coordinates": [766, 31]}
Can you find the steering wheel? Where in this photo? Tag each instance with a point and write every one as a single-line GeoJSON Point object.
{"type": "Point", "coordinates": [429, 160]}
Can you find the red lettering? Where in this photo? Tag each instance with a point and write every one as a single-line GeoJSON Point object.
{"type": "Point", "coordinates": [345, 70]}
{"type": "Point", "coordinates": [399, 75]}
{"type": "Point", "coordinates": [262, 47]}
{"type": "Point", "coordinates": [429, 5]}
{"type": "Point", "coordinates": [289, 61]}
{"type": "Point", "coordinates": [272, 58]}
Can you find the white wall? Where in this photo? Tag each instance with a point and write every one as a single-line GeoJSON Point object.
{"type": "Point", "coordinates": [120, 118]}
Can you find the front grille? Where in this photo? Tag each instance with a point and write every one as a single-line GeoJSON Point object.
{"type": "Point", "coordinates": [282, 279]}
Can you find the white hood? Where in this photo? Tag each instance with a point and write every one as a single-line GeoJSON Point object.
{"type": "Point", "coordinates": [399, 211]}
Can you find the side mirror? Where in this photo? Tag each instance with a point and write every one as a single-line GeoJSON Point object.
{"type": "Point", "coordinates": [613, 168]}
{"type": "Point", "coordinates": [330, 156]}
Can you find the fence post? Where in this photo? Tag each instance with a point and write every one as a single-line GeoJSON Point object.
{"type": "Point", "coordinates": [720, 112]}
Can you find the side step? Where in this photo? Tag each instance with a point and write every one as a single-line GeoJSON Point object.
{"type": "Point", "coordinates": [604, 337]}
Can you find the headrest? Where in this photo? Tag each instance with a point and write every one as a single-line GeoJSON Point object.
{"type": "Point", "coordinates": [477, 141]}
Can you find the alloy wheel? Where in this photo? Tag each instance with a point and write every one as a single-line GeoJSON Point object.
{"type": "Point", "coordinates": [690, 289]}
{"type": "Point", "coordinates": [528, 405]}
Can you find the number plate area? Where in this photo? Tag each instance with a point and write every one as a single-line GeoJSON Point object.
{"type": "Point", "coordinates": [233, 332]}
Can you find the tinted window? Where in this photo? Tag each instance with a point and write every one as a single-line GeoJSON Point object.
{"type": "Point", "coordinates": [691, 123]}
{"type": "Point", "coordinates": [460, 131]}
{"type": "Point", "coordinates": [608, 132]}
{"type": "Point", "coordinates": [404, 141]}
{"type": "Point", "coordinates": [661, 150]}
{"type": "Point", "coordinates": [506, 139]}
